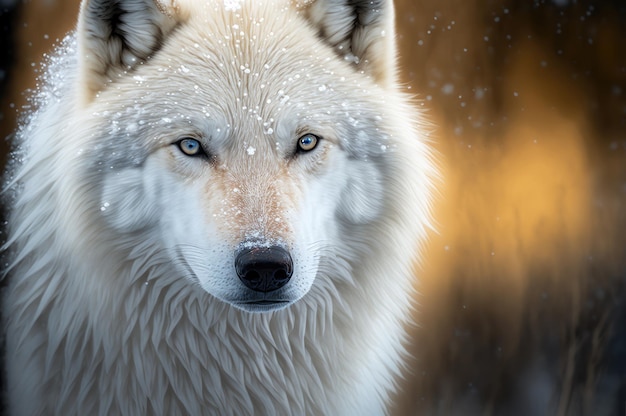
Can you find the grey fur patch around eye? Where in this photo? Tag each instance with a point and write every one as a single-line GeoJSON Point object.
{"type": "Point", "coordinates": [362, 138]}
{"type": "Point", "coordinates": [362, 198]}
{"type": "Point", "coordinates": [127, 139]}
{"type": "Point", "coordinates": [129, 200]}
{"type": "Point", "coordinates": [118, 155]}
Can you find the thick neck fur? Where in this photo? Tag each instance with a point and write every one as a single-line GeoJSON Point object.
{"type": "Point", "coordinates": [179, 351]}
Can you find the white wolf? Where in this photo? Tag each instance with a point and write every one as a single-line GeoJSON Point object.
{"type": "Point", "coordinates": [218, 211]}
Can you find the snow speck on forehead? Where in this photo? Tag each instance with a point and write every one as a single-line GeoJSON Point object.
{"type": "Point", "coordinates": [232, 5]}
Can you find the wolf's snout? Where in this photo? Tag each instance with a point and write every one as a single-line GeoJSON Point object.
{"type": "Point", "coordinates": [264, 269]}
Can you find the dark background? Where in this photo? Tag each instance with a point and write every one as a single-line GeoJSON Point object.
{"type": "Point", "coordinates": [522, 290]}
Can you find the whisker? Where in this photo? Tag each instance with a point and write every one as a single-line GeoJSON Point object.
{"type": "Point", "coordinates": [180, 257]}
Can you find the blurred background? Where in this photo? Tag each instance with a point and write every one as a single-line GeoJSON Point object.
{"type": "Point", "coordinates": [522, 306]}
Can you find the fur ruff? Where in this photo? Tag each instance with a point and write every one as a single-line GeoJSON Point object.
{"type": "Point", "coordinates": [101, 323]}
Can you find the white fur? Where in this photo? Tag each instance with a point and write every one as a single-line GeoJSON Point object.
{"type": "Point", "coordinates": [122, 296]}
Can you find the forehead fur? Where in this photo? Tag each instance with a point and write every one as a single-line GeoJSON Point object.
{"type": "Point", "coordinates": [243, 68]}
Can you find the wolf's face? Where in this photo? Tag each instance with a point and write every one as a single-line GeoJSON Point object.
{"type": "Point", "coordinates": [245, 145]}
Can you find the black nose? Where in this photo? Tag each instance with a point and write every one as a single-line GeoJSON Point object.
{"type": "Point", "coordinates": [264, 269]}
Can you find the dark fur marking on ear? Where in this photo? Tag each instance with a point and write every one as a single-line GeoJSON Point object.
{"type": "Point", "coordinates": [114, 18]}
{"type": "Point", "coordinates": [120, 34]}
{"type": "Point", "coordinates": [367, 11]}
{"type": "Point", "coordinates": [351, 27]}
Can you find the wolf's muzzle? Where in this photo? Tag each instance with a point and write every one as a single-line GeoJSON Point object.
{"type": "Point", "coordinates": [264, 269]}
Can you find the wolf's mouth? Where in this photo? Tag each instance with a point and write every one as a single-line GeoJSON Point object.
{"type": "Point", "coordinates": [264, 302]}
{"type": "Point", "coordinates": [262, 305]}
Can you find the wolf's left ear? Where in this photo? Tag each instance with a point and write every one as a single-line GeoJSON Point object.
{"type": "Point", "coordinates": [116, 35]}
{"type": "Point", "coordinates": [361, 31]}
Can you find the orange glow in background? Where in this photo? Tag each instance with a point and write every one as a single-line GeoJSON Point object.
{"type": "Point", "coordinates": [522, 290]}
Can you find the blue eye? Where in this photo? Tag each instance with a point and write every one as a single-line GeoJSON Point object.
{"type": "Point", "coordinates": [307, 142]}
{"type": "Point", "coordinates": [190, 147]}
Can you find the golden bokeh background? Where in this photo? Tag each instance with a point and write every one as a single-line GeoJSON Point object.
{"type": "Point", "coordinates": [522, 290]}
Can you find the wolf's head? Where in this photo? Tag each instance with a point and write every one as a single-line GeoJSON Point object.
{"type": "Point", "coordinates": [255, 142]}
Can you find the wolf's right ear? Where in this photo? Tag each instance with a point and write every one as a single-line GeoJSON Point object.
{"type": "Point", "coordinates": [116, 35]}
{"type": "Point", "coordinates": [361, 31]}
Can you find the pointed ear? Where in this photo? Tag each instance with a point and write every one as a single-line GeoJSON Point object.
{"type": "Point", "coordinates": [361, 31]}
{"type": "Point", "coordinates": [116, 35]}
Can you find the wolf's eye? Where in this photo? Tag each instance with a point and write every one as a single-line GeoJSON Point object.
{"type": "Point", "coordinates": [190, 147]}
{"type": "Point", "coordinates": [307, 142]}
